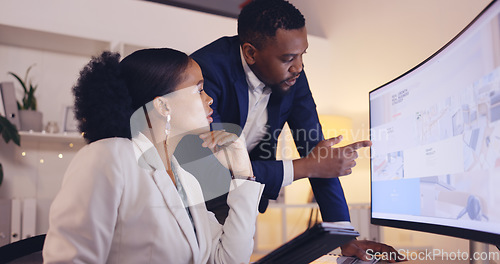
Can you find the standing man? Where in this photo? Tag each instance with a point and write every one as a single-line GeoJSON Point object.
{"type": "Point", "coordinates": [257, 81]}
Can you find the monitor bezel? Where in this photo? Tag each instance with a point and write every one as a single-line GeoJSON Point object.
{"type": "Point", "coordinates": [470, 234]}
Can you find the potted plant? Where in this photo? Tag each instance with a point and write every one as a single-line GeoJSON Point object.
{"type": "Point", "coordinates": [9, 132]}
{"type": "Point", "coordinates": [30, 118]}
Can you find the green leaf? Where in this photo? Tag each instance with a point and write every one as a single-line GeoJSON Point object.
{"type": "Point", "coordinates": [9, 131]}
{"type": "Point", "coordinates": [28, 101]}
{"type": "Point", "coordinates": [20, 81]}
{"type": "Point", "coordinates": [28, 72]}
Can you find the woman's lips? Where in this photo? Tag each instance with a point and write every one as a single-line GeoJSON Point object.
{"type": "Point", "coordinates": [209, 116]}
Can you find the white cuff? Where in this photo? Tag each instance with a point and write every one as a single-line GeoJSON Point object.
{"type": "Point", "coordinates": [343, 223]}
{"type": "Point", "coordinates": [287, 172]}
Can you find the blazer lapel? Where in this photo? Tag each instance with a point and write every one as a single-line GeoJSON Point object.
{"type": "Point", "coordinates": [196, 203]}
{"type": "Point", "coordinates": [266, 147]}
{"type": "Point", "coordinates": [241, 87]}
{"type": "Point", "coordinates": [273, 114]}
{"type": "Point", "coordinates": [147, 155]}
{"type": "Point", "coordinates": [176, 207]}
{"type": "Point", "coordinates": [239, 82]}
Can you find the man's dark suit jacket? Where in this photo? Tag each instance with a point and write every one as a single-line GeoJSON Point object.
{"type": "Point", "coordinates": [225, 82]}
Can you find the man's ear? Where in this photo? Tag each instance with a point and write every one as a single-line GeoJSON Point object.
{"type": "Point", "coordinates": [249, 52]}
{"type": "Point", "coordinates": [161, 105]}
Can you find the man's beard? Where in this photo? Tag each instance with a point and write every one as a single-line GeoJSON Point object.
{"type": "Point", "coordinates": [278, 90]}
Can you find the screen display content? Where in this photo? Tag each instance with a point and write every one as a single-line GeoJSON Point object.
{"type": "Point", "coordinates": [435, 159]}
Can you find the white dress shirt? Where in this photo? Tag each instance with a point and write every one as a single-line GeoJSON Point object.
{"type": "Point", "coordinates": [255, 127]}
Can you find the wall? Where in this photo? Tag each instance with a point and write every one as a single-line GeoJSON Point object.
{"type": "Point", "coordinates": [138, 23]}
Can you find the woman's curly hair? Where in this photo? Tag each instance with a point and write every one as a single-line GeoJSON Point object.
{"type": "Point", "coordinates": [109, 91]}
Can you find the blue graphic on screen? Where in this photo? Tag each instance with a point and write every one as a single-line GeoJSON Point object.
{"type": "Point", "coordinates": [399, 197]}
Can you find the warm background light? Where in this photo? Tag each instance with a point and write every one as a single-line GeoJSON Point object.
{"type": "Point", "coordinates": [274, 227]}
{"type": "Point", "coordinates": [332, 126]}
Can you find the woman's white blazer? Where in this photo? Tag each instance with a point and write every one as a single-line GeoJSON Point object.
{"type": "Point", "coordinates": [117, 204]}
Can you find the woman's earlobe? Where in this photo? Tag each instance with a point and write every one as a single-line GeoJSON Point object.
{"type": "Point", "coordinates": [161, 106]}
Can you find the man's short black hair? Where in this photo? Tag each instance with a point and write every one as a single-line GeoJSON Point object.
{"type": "Point", "coordinates": [260, 19]}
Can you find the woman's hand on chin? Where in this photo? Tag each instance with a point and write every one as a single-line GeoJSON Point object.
{"type": "Point", "coordinates": [230, 150]}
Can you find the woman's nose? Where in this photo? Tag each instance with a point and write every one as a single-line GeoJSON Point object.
{"type": "Point", "coordinates": [208, 99]}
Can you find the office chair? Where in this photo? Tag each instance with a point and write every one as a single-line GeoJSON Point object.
{"type": "Point", "coordinates": [28, 250]}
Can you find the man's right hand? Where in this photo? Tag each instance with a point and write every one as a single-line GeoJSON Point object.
{"type": "Point", "coordinates": [324, 161]}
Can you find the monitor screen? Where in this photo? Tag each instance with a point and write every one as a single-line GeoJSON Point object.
{"type": "Point", "coordinates": [435, 159]}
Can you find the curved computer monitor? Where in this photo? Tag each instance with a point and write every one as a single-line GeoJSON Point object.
{"type": "Point", "coordinates": [435, 159]}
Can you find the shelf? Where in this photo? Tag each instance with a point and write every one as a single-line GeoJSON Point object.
{"type": "Point", "coordinates": [42, 40]}
{"type": "Point", "coordinates": [73, 137]}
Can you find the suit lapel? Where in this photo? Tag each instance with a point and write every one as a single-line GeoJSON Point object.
{"type": "Point", "coordinates": [176, 207]}
{"type": "Point", "coordinates": [239, 82]}
{"type": "Point", "coordinates": [273, 114]}
{"type": "Point", "coordinates": [241, 87]}
{"type": "Point", "coordinates": [268, 144]}
{"type": "Point", "coordinates": [146, 154]}
{"type": "Point", "coordinates": [196, 203]}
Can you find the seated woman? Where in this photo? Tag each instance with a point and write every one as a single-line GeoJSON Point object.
{"type": "Point", "coordinates": [124, 197]}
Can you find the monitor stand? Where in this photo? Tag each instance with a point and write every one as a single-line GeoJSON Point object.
{"type": "Point", "coordinates": [482, 251]}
